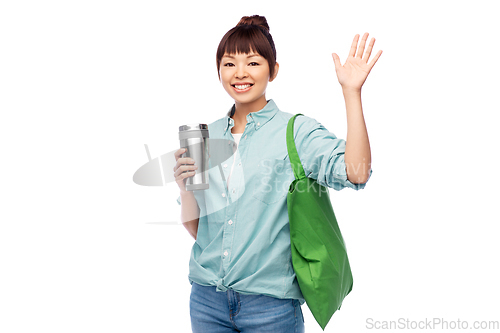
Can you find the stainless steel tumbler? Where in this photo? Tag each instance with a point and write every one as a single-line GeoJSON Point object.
{"type": "Point", "coordinates": [195, 139]}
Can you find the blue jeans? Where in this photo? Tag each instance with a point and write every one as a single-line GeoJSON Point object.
{"type": "Point", "coordinates": [220, 312]}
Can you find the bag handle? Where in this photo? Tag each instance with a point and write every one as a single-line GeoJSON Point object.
{"type": "Point", "coordinates": [297, 168]}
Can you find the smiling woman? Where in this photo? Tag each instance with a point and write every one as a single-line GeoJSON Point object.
{"type": "Point", "coordinates": [241, 268]}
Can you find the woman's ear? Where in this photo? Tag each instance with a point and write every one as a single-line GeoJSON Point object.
{"type": "Point", "coordinates": [276, 68]}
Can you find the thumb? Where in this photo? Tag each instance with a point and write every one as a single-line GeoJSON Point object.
{"type": "Point", "coordinates": [336, 60]}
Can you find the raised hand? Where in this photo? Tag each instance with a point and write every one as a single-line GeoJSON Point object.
{"type": "Point", "coordinates": [353, 73]}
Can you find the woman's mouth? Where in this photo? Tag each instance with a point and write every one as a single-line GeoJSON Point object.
{"type": "Point", "coordinates": [240, 88]}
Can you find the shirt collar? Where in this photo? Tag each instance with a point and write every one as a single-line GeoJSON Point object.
{"type": "Point", "coordinates": [259, 118]}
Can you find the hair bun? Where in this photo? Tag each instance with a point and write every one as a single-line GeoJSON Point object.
{"type": "Point", "coordinates": [254, 20]}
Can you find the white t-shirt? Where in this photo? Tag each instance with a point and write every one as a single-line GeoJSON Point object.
{"type": "Point", "coordinates": [237, 137]}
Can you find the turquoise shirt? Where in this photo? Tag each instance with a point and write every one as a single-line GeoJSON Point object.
{"type": "Point", "coordinates": [243, 239]}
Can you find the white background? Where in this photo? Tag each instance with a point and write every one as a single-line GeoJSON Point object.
{"type": "Point", "coordinates": [85, 84]}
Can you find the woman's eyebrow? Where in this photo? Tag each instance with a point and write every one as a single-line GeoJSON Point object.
{"type": "Point", "coordinates": [250, 56]}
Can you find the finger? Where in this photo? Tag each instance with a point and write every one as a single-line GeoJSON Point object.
{"type": "Point", "coordinates": [179, 152]}
{"type": "Point", "coordinates": [336, 61]}
{"type": "Point", "coordinates": [362, 46]}
{"type": "Point", "coordinates": [183, 161]}
{"type": "Point", "coordinates": [374, 60]}
{"type": "Point", "coordinates": [184, 175]}
{"type": "Point", "coordinates": [185, 168]}
{"type": "Point", "coordinates": [369, 50]}
{"type": "Point", "coordinates": [354, 45]}
{"type": "Point", "coordinates": [179, 166]}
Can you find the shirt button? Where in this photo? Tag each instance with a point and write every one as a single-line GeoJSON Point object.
{"type": "Point", "coordinates": [225, 165]}
{"type": "Point", "coordinates": [234, 191]}
{"type": "Point", "coordinates": [225, 253]}
{"type": "Point", "coordinates": [258, 124]}
{"type": "Point", "coordinates": [239, 164]}
{"type": "Point", "coordinates": [230, 222]}
{"type": "Point", "coordinates": [223, 195]}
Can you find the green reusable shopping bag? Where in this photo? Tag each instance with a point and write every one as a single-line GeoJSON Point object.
{"type": "Point", "coordinates": [319, 254]}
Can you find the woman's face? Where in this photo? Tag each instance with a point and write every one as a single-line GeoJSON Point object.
{"type": "Point", "coordinates": [245, 77]}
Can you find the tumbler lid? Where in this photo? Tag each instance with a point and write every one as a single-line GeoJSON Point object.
{"type": "Point", "coordinates": [193, 127]}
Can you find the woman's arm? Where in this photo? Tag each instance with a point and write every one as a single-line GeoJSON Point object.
{"type": "Point", "coordinates": [190, 212]}
{"type": "Point", "coordinates": [352, 76]}
{"type": "Point", "coordinates": [357, 154]}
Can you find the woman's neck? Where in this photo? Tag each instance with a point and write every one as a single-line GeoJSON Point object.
{"type": "Point", "coordinates": [241, 110]}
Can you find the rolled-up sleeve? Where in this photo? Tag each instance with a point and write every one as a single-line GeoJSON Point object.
{"type": "Point", "coordinates": [322, 154]}
{"type": "Point", "coordinates": [179, 200]}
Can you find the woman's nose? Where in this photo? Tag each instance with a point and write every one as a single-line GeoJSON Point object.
{"type": "Point", "coordinates": [240, 73]}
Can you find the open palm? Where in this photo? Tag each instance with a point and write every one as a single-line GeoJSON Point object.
{"type": "Point", "coordinates": [355, 70]}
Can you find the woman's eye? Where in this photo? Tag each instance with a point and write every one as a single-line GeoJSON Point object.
{"type": "Point", "coordinates": [230, 64]}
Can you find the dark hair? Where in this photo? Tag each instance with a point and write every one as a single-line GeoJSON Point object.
{"type": "Point", "coordinates": [250, 34]}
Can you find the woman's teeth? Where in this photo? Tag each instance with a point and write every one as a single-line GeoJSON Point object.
{"type": "Point", "coordinates": [242, 87]}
